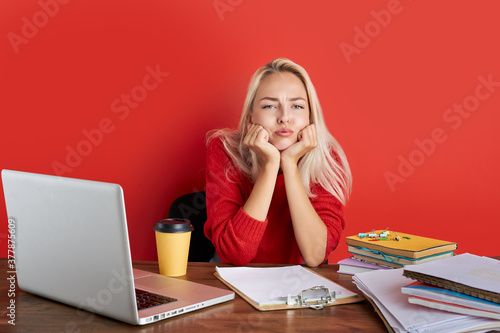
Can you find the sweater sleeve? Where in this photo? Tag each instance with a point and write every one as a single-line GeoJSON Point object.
{"type": "Point", "coordinates": [331, 212]}
{"type": "Point", "coordinates": [236, 236]}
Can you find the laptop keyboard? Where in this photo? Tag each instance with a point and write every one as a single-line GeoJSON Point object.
{"type": "Point", "coordinates": [146, 299]}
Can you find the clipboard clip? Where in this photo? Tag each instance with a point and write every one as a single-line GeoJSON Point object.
{"type": "Point", "coordinates": [316, 297]}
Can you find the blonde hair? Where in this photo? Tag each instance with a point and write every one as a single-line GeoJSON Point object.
{"type": "Point", "coordinates": [318, 166]}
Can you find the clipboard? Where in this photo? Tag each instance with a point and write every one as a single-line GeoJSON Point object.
{"type": "Point", "coordinates": [315, 297]}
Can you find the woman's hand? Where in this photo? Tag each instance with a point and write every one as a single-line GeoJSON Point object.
{"type": "Point", "coordinates": [257, 139]}
{"type": "Point", "coordinates": [307, 141]}
{"type": "Point", "coordinates": [257, 204]}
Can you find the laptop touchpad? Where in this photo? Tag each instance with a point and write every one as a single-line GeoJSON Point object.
{"type": "Point", "coordinates": [181, 289]}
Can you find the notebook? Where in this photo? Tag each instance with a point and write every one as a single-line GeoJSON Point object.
{"type": "Point", "coordinates": [465, 273]}
{"type": "Point", "coordinates": [72, 246]}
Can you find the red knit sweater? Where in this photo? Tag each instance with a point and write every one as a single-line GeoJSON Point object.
{"type": "Point", "coordinates": [238, 238]}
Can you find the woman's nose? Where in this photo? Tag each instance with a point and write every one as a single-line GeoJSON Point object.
{"type": "Point", "coordinates": [283, 117]}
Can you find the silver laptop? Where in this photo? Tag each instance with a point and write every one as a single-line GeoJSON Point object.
{"type": "Point", "coordinates": [71, 245]}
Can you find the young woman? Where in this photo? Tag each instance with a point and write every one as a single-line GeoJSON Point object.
{"type": "Point", "coordinates": [276, 186]}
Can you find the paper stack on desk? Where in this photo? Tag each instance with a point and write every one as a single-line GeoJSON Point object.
{"type": "Point", "coordinates": [383, 290]}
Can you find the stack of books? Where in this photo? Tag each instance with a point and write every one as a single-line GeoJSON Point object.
{"type": "Point", "coordinates": [466, 284]}
{"type": "Point", "coordinates": [390, 249]}
{"type": "Point", "coordinates": [408, 305]}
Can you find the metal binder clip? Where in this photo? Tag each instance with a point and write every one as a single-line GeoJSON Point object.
{"type": "Point", "coordinates": [316, 297]}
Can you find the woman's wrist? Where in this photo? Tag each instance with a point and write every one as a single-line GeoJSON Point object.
{"type": "Point", "coordinates": [288, 166]}
{"type": "Point", "coordinates": [271, 167]}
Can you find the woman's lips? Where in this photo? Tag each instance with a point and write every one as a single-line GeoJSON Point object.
{"type": "Point", "coordinates": [284, 132]}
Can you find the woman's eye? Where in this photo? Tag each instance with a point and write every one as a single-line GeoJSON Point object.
{"type": "Point", "coordinates": [297, 107]}
{"type": "Point", "coordinates": [268, 107]}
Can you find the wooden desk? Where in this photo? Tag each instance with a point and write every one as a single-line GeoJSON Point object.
{"type": "Point", "coordinates": [36, 314]}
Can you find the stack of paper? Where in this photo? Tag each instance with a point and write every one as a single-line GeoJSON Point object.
{"type": "Point", "coordinates": [383, 288]}
{"type": "Point", "coordinates": [397, 249]}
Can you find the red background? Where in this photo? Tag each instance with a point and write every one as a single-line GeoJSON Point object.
{"type": "Point", "coordinates": [65, 67]}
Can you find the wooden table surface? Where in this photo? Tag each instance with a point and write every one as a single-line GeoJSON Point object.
{"type": "Point", "coordinates": [37, 314]}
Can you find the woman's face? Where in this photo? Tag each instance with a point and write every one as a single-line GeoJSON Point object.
{"type": "Point", "coordinates": [281, 106]}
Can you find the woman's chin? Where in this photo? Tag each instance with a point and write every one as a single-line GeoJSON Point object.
{"type": "Point", "coordinates": [283, 144]}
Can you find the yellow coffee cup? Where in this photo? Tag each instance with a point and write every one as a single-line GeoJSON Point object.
{"type": "Point", "coordinates": [172, 244]}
